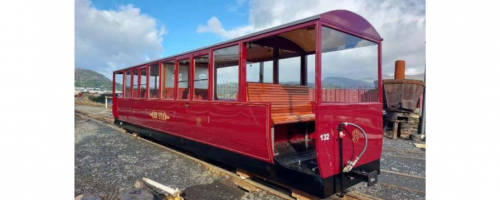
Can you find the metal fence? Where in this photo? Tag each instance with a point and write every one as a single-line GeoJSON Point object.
{"type": "Point", "coordinates": [226, 91]}
{"type": "Point", "coordinates": [346, 95]}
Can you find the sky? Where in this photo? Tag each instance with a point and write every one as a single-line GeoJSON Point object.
{"type": "Point", "coordinates": [115, 34]}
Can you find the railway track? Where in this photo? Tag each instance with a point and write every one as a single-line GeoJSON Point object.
{"type": "Point", "coordinates": [393, 156]}
{"type": "Point", "coordinates": [245, 183]}
{"type": "Point", "coordinates": [402, 150]}
{"type": "Point", "coordinates": [401, 174]}
{"type": "Point", "coordinates": [403, 188]}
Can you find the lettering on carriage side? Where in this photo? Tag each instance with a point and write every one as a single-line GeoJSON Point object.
{"type": "Point", "coordinates": [159, 115]}
{"type": "Point", "coordinates": [325, 137]}
{"type": "Point", "coordinates": [355, 136]}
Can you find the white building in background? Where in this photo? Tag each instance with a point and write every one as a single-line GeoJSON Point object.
{"type": "Point", "coordinates": [97, 90]}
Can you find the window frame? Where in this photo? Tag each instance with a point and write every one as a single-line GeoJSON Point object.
{"type": "Point", "coordinates": [319, 27]}
{"type": "Point", "coordinates": [159, 80]}
{"type": "Point", "coordinates": [134, 70]}
{"type": "Point", "coordinates": [115, 81]}
{"type": "Point", "coordinates": [214, 70]}
{"type": "Point", "coordinates": [201, 54]}
{"type": "Point", "coordinates": [163, 78]}
{"type": "Point", "coordinates": [131, 78]}
{"type": "Point", "coordinates": [176, 84]}
{"type": "Point", "coordinates": [302, 79]}
{"type": "Point", "coordinates": [146, 67]}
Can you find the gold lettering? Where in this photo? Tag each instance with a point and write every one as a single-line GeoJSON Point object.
{"type": "Point", "coordinates": [159, 115]}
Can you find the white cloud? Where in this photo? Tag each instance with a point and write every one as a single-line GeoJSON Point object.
{"type": "Point", "coordinates": [412, 71]}
{"type": "Point", "coordinates": [239, 4]}
{"type": "Point", "coordinates": [106, 40]}
{"type": "Point", "coordinates": [400, 22]}
{"type": "Point", "coordinates": [215, 26]}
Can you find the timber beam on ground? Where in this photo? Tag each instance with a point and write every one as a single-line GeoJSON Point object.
{"type": "Point", "coordinates": [240, 178]}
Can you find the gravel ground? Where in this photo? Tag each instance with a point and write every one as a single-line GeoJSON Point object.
{"type": "Point", "coordinates": [408, 182]}
{"type": "Point", "coordinates": [107, 160]}
{"type": "Point", "coordinates": [404, 165]}
{"type": "Point", "coordinates": [406, 159]}
{"type": "Point", "coordinates": [401, 144]}
{"type": "Point", "coordinates": [94, 110]}
{"type": "Point", "coordinates": [387, 153]}
{"type": "Point", "coordinates": [411, 160]}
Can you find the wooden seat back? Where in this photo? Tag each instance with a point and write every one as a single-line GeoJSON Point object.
{"type": "Point", "coordinates": [288, 103]}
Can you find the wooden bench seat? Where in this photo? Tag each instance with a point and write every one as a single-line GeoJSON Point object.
{"type": "Point", "coordinates": [289, 104]}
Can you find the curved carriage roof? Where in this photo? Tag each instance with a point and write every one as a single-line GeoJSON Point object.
{"type": "Point", "coordinates": [351, 21]}
{"type": "Point", "coordinates": [342, 19]}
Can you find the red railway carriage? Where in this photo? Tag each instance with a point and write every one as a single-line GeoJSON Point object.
{"type": "Point", "coordinates": [299, 104]}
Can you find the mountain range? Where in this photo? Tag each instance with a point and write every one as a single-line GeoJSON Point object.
{"type": "Point", "coordinates": [415, 77]}
{"type": "Point", "coordinates": [363, 83]}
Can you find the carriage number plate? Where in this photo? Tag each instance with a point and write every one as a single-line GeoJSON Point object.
{"type": "Point", "coordinates": [325, 137]}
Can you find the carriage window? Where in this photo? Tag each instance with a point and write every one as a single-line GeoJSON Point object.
{"type": "Point", "coordinates": [288, 50]}
{"type": "Point", "coordinates": [154, 81]}
{"type": "Point", "coordinates": [260, 72]}
{"type": "Point", "coordinates": [259, 63]}
{"type": "Point", "coordinates": [118, 84]}
{"type": "Point", "coordinates": [183, 80]}
{"type": "Point", "coordinates": [289, 71]}
{"type": "Point", "coordinates": [128, 82]}
{"type": "Point", "coordinates": [201, 78]}
{"type": "Point", "coordinates": [254, 72]}
{"type": "Point", "coordinates": [226, 73]}
{"type": "Point", "coordinates": [135, 85]}
{"type": "Point", "coordinates": [143, 85]}
{"type": "Point", "coordinates": [268, 71]}
{"type": "Point", "coordinates": [348, 68]}
{"type": "Point", "coordinates": [168, 80]}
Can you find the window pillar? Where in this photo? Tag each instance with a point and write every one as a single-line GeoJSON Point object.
{"type": "Point", "coordinates": [261, 72]}
{"type": "Point", "coordinates": [303, 70]}
{"type": "Point", "coordinates": [318, 62]}
{"type": "Point", "coordinates": [275, 66]}
{"type": "Point", "coordinates": [210, 76]}
{"type": "Point", "coordinates": [243, 72]}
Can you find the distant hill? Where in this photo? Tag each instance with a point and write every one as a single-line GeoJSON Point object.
{"type": "Point", "coordinates": [384, 76]}
{"type": "Point", "coordinates": [342, 82]}
{"type": "Point", "coordinates": [415, 77]}
{"type": "Point", "coordinates": [89, 78]}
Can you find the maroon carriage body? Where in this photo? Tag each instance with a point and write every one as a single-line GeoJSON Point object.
{"type": "Point", "coordinates": [190, 111]}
